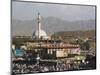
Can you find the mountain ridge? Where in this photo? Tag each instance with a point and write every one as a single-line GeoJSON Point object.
{"type": "Point", "coordinates": [50, 25]}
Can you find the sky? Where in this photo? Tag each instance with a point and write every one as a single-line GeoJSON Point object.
{"type": "Point", "coordinates": [29, 10]}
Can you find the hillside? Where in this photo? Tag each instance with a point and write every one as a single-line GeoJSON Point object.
{"type": "Point", "coordinates": [50, 25]}
{"type": "Point", "coordinates": [70, 35]}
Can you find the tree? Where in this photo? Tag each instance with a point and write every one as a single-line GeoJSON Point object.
{"type": "Point", "coordinates": [85, 45]}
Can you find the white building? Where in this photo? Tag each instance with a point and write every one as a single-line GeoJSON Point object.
{"type": "Point", "coordinates": [40, 33]}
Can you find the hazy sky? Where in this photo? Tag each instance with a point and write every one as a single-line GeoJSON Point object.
{"type": "Point", "coordinates": [29, 10]}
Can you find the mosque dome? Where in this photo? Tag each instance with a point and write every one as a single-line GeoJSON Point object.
{"type": "Point", "coordinates": [42, 34]}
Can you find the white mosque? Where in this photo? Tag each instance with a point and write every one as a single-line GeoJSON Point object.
{"type": "Point", "coordinates": [40, 33]}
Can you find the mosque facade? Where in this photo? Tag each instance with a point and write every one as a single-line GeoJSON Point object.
{"type": "Point", "coordinates": [40, 33]}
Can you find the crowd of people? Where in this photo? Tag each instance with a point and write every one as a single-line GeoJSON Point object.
{"type": "Point", "coordinates": [23, 68]}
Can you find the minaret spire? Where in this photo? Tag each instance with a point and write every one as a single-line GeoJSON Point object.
{"type": "Point", "coordinates": [40, 33]}
{"type": "Point", "coordinates": [39, 25]}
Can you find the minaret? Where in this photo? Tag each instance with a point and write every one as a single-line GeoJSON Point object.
{"type": "Point", "coordinates": [39, 25]}
{"type": "Point", "coordinates": [39, 32]}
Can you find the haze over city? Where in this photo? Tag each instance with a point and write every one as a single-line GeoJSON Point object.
{"type": "Point", "coordinates": [55, 17]}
